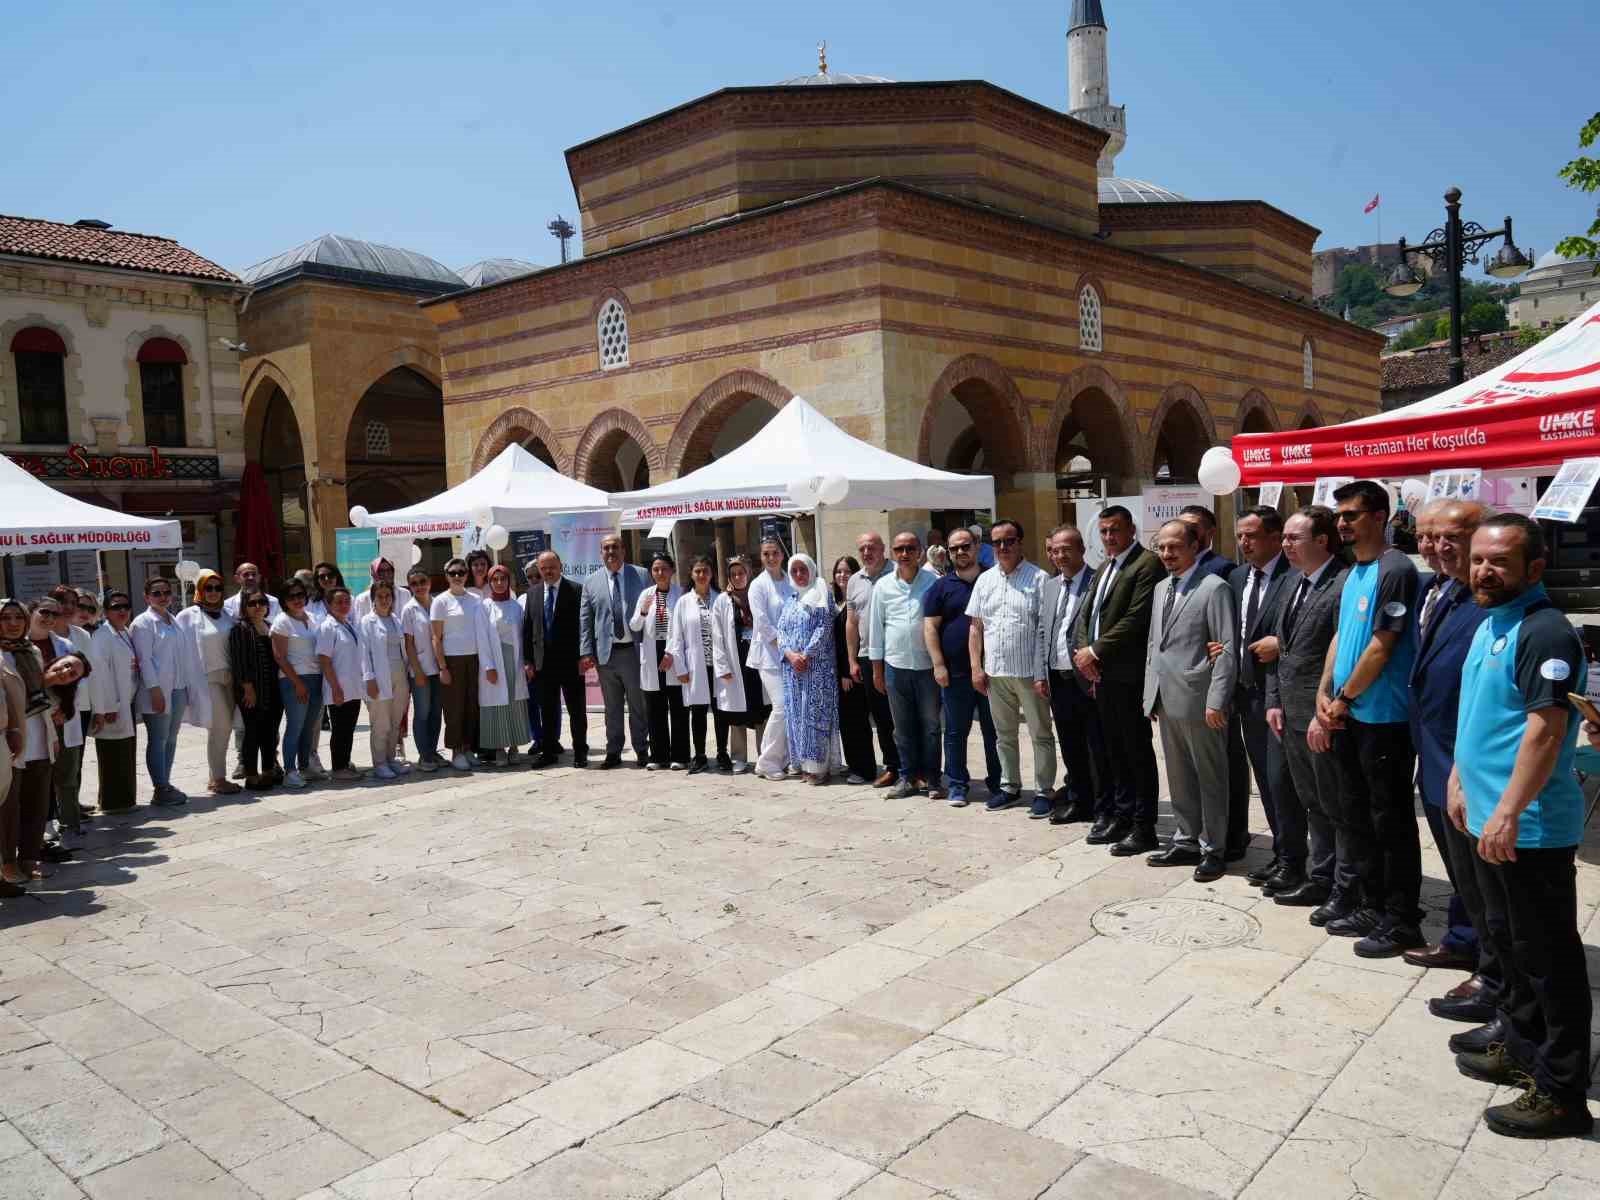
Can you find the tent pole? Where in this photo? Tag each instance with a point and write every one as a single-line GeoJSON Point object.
{"type": "Point", "coordinates": [817, 520]}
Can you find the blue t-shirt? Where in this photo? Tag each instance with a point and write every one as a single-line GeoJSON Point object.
{"type": "Point", "coordinates": [947, 600]}
{"type": "Point", "coordinates": [1379, 597]}
{"type": "Point", "coordinates": [1524, 657]}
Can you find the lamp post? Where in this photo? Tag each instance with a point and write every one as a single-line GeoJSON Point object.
{"type": "Point", "coordinates": [1453, 247]}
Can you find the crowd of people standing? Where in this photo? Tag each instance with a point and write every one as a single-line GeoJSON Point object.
{"type": "Point", "coordinates": [1319, 662]}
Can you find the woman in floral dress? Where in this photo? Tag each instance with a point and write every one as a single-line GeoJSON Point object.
{"type": "Point", "coordinates": [810, 690]}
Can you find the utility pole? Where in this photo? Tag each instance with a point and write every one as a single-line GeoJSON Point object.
{"type": "Point", "coordinates": [561, 229]}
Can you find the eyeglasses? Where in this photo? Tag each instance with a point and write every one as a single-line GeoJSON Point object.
{"type": "Point", "coordinates": [255, 603]}
{"type": "Point", "coordinates": [1349, 516]}
{"type": "Point", "coordinates": [457, 573]}
{"type": "Point", "coordinates": [85, 606]}
{"type": "Point", "coordinates": [160, 593]}
{"type": "Point", "coordinates": [905, 549]}
{"type": "Point", "coordinates": [1004, 542]}
{"type": "Point", "coordinates": [212, 587]}
{"type": "Point", "coordinates": [963, 548]}
{"type": "Point", "coordinates": [326, 575]}
{"type": "Point", "coordinates": [118, 607]}
{"type": "Point", "coordinates": [52, 613]}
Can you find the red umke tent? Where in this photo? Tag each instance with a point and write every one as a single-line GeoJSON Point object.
{"type": "Point", "coordinates": [1524, 416]}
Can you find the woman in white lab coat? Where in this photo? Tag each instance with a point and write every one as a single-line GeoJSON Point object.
{"type": "Point", "coordinates": [339, 656]}
{"type": "Point", "coordinates": [113, 687]}
{"type": "Point", "coordinates": [663, 694]}
{"type": "Point", "coordinates": [694, 640]}
{"type": "Point", "coordinates": [502, 683]}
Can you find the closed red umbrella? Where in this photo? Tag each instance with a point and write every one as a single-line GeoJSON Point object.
{"type": "Point", "coordinates": [259, 539]}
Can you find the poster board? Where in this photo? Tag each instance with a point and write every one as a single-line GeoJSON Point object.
{"type": "Point", "coordinates": [1568, 493]}
{"type": "Point", "coordinates": [1463, 484]}
{"type": "Point", "coordinates": [354, 550]}
{"type": "Point", "coordinates": [576, 537]}
{"type": "Point", "coordinates": [1087, 518]}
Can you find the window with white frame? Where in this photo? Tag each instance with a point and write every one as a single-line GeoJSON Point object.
{"type": "Point", "coordinates": [1308, 366]}
{"type": "Point", "coordinates": [377, 439]}
{"type": "Point", "coordinates": [612, 331]}
{"type": "Point", "coordinates": [1091, 331]}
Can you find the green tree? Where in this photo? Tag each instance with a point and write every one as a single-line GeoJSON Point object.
{"type": "Point", "coordinates": [1583, 173]}
{"type": "Point", "coordinates": [1486, 316]}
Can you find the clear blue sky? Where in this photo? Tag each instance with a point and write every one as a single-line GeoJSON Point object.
{"type": "Point", "coordinates": [245, 128]}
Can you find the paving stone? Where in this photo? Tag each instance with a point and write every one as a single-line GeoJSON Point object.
{"type": "Point", "coordinates": [578, 1174]}
{"type": "Point", "coordinates": [176, 1169]}
{"type": "Point", "coordinates": [616, 1088]}
{"type": "Point", "coordinates": [158, 1071]}
{"type": "Point", "coordinates": [974, 1159]}
{"type": "Point", "coordinates": [209, 1022]}
{"type": "Point", "coordinates": [870, 1122]}
{"type": "Point", "coordinates": [284, 1063]}
{"type": "Point", "coordinates": [847, 1041]}
{"type": "Point", "coordinates": [38, 1076]}
{"type": "Point", "coordinates": [975, 970]}
{"type": "Point", "coordinates": [478, 1089]}
{"type": "Point", "coordinates": [301, 1167]}
{"type": "Point", "coordinates": [1477, 1176]}
{"type": "Point", "coordinates": [988, 1083]}
{"type": "Point", "coordinates": [767, 1087]}
{"type": "Point", "coordinates": [1070, 1043]}
{"type": "Point", "coordinates": [1263, 1034]}
{"type": "Point", "coordinates": [92, 1129]}
{"type": "Point", "coordinates": [236, 1122]}
{"type": "Point", "coordinates": [849, 974]}
{"type": "Point", "coordinates": [47, 993]}
{"type": "Point", "coordinates": [1096, 1178]}
{"type": "Point", "coordinates": [32, 1176]}
{"type": "Point", "coordinates": [446, 1166]}
{"type": "Point", "coordinates": [1336, 995]}
{"type": "Point", "coordinates": [12, 1143]}
{"type": "Point", "coordinates": [885, 1186]}
{"type": "Point", "coordinates": [1329, 1157]}
{"type": "Point", "coordinates": [918, 1003]}
{"type": "Point", "coordinates": [374, 1114]}
{"type": "Point", "coordinates": [675, 1140]}
{"type": "Point", "coordinates": [1216, 1084]}
{"type": "Point", "coordinates": [95, 1029]}
{"type": "Point", "coordinates": [1577, 1157]}
{"type": "Point", "coordinates": [739, 1028]}
{"type": "Point", "coordinates": [777, 1164]}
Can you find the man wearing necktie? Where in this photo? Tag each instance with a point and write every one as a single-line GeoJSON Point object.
{"type": "Point", "coordinates": [550, 658]}
{"type": "Point", "coordinates": [605, 642]}
{"type": "Point", "coordinates": [1086, 793]}
{"type": "Point", "coordinates": [1257, 585]}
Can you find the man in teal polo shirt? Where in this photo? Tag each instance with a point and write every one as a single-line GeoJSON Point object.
{"type": "Point", "coordinates": [1513, 789]}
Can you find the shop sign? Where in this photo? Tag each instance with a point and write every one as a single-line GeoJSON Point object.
{"type": "Point", "coordinates": [79, 463]}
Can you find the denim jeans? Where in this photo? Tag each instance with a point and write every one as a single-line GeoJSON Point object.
{"type": "Point", "coordinates": [162, 745]}
{"type": "Point", "coordinates": [300, 721]}
{"type": "Point", "coordinates": [914, 702]}
{"type": "Point", "coordinates": [961, 701]}
{"type": "Point", "coordinates": [426, 713]}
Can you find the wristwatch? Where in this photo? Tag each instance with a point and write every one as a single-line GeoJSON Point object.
{"type": "Point", "coordinates": [1340, 698]}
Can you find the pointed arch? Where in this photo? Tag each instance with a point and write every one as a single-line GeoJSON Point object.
{"type": "Point", "coordinates": [1092, 403]}
{"type": "Point", "coordinates": [703, 420]}
{"type": "Point", "coordinates": [1255, 409]}
{"type": "Point", "coordinates": [610, 427]}
{"type": "Point", "coordinates": [1180, 432]}
{"type": "Point", "coordinates": [518, 425]}
{"type": "Point", "coordinates": [1310, 417]}
{"type": "Point", "coordinates": [990, 397]}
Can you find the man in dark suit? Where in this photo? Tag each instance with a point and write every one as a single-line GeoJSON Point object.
{"type": "Point", "coordinates": [1258, 584]}
{"type": "Point", "coordinates": [605, 642]}
{"type": "Point", "coordinates": [1113, 635]}
{"type": "Point", "coordinates": [1086, 794]}
{"type": "Point", "coordinates": [1204, 523]}
{"type": "Point", "coordinates": [1442, 645]}
{"type": "Point", "coordinates": [550, 658]}
{"type": "Point", "coordinates": [1308, 790]}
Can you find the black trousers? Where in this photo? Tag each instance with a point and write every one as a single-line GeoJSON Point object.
{"type": "Point", "coordinates": [882, 717]}
{"type": "Point", "coordinates": [1378, 806]}
{"type": "Point", "coordinates": [260, 752]}
{"type": "Point", "coordinates": [1531, 912]}
{"type": "Point", "coordinates": [1083, 744]}
{"type": "Point", "coordinates": [344, 718]}
{"type": "Point", "coordinates": [1252, 742]}
{"type": "Point", "coordinates": [1130, 751]}
{"type": "Point", "coordinates": [1460, 854]}
{"type": "Point", "coordinates": [855, 729]}
{"type": "Point", "coordinates": [1307, 799]}
{"type": "Point", "coordinates": [557, 683]}
{"type": "Point", "coordinates": [669, 725]}
{"type": "Point", "coordinates": [697, 729]}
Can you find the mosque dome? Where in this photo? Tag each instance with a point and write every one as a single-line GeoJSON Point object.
{"type": "Point", "coordinates": [1116, 190]}
{"type": "Point", "coordinates": [825, 78]}
{"type": "Point", "coordinates": [495, 270]}
{"type": "Point", "coordinates": [1551, 259]}
{"type": "Point", "coordinates": [356, 261]}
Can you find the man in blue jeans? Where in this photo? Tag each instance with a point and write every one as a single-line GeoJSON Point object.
{"type": "Point", "coordinates": [944, 624]}
{"type": "Point", "coordinates": [902, 668]}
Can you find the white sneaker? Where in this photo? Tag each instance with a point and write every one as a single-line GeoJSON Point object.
{"type": "Point", "coordinates": [316, 770]}
{"type": "Point", "coordinates": [461, 762]}
{"type": "Point", "coordinates": [770, 778]}
{"type": "Point", "coordinates": [399, 766]}
{"type": "Point", "coordinates": [678, 766]}
{"type": "Point", "coordinates": [382, 771]}
{"type": "Point", "coordinates": [292, 779]}
{"type": "Point", "coordinates": [652, 766]}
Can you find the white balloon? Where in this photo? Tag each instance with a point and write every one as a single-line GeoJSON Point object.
{"type": "Point", "coordinates": [416, 554]}
{"type": "Point", "coordinates": [1414, 492]}
{"type": "Point", "coordinates": [482, 518]}
{"type": "Point", "coordinates": [1218, 473]}
{"type": "Point", "coordinates": [833, 489]}
{"type": "Point", "coordinates": [359, 515]}
{"type": "Point", "coordinates": [803, 492]}
{"type": "Point", "coordinates": [497, 537]}
{"type": "Point", "coordinates": [188, 570]}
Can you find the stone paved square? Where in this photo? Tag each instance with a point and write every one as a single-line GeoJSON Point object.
{"type": "Point", "coordinates": [560, 984]}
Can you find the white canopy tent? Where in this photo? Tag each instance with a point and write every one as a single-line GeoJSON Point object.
{"type": "Point", "coordinates": [515, 489]}
{"type": "Point", "coordinates": [36, 517]}
{"type": "Point", "coordinates": [800, 444]}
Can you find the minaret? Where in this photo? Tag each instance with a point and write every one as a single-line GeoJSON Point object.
{"type": "Point", "coordinates": [1089, 80]}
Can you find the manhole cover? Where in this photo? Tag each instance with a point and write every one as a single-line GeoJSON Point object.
{"type": "Point", "coordinates": [1177, 924]}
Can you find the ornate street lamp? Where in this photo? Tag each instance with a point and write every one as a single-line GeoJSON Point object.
{"type": "Point", "coordinates": [1452, 248]}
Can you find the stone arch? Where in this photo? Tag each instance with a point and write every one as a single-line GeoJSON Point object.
{"type": "Point", "coordinates": [79, 428]}
{"type": "Point", "coordinates": [1007, 433]}
{"type": "Point", "coordinates": [197, 418]}
{"type": "Point", "coordinates": [424, 362]}
{"type": "Point", "coordinates": [257, 394]}
{"type": "Point", "coordinates": [1310, 417]}
{"type": "Point", "coordinates": [1255, 409]}
{"type": "Point", "coordinates": [1121, 456]}
{"type": "Point", "coordinates": [607, 429]}
{"type": "Point", "coordinates": [1180, 432]}
{"type": "Point", "coordinates": [697, 429]}
{"type": "Point", "coordinates": [518, 425]}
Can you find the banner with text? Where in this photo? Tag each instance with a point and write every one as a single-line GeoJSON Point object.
{"type": "Point", "coordinates": [576, 537]}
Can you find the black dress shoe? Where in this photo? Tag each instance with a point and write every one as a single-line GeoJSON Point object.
{"type": "Point", "coordinates": [1235, 853]}
{"type": "Point", "coordinates": [1287, 878]}
{"type": "Point", "coordinates": [12, 890]}
{"type": "Point", "coordinates": [1337, 906]}
{"type": "Point", "coordinates": [1310, 894]}
{"type": "Point", "coordinates": [697, 766]}
{"type": "Point", "coordinates": [611, 762]}
{"type": "Point", "coordinates": [1443, 957]}
{"type": "Point", "coordinates": [1108, 830]}
{"type": "Point", "coordinates": [1476, 1011]}
{"type": "Point", "coordinates": [1072, 813]}
{"type": "Point", "coordinates": [1176, 856]}
{"type": "Point", "coordinates": [55, 854]}
{"type": "Point", "coordinates": [1476, 1041]}
{"type": "Point", "coordinates": [545, 760]}
{"type": "Point", "coordinates": [1259, 876]}
{"type": "Point", "coordinates": [1389, 940]}
{"type": "Point", "coordinates": [1210, 868]}
{"type": "Point", "coordinates": [1359, 924]}
{"type": "Point", "coordinates": [1140, 841]}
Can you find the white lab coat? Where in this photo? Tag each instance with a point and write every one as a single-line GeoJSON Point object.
{"type": "Point", "coordinates": [70, 732]}
{"type": "Point", "coordinates": [643, 626]}
{"type": "Point", "coordinates": [198, 710]}
{"type": "Point", "coordinates": [363, 602]}
{"type": "Point", "coordinates": [688, 649]}
{"type": "Point", "coordinates": [114, 684]}
{"type": "Point", "coordinates": [83, 642]}
{"type": "Point", "coordinates": [375, 635]}
{"type": "Point", "coordinates": [492, 616]}
{"type": "Point", "coordinates": [725, 656]}
{"type": "Point", "coordinates": [766, 606]}
{"type": "Point", "coordinates": [163, 661]}
{"type": "Point", "coordinates": [342, 645]}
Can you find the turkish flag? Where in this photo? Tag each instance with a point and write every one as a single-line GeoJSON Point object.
{"type": "Point", "coordinates": [1371, 204]}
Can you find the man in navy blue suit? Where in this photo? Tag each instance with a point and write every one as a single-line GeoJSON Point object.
{"type": "Point", "coordinates": [1448, 620]}
{"type": "Point", "coordinates": [1204, 523]}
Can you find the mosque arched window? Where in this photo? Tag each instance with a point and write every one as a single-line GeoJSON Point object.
{"type": "Point", "coordinates": [1308, 366]}
{"type": "Point", "coordinates": [612, 331]}
{"type": "Point", "coordinates": [1091, 331]}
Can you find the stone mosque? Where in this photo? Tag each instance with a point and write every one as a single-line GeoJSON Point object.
{"type": "Point", "coordinates": [943, 268]}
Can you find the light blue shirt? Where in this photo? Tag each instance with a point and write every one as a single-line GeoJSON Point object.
{"type": "Point", "coordinates": [894, 635]}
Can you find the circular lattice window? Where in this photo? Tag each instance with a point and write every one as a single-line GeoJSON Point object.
{"type": "Point", "coordinates": [612, 330]}
{"type": "Point", "coordinates": [377, 439]}
{"type": "Point", "coordinates": [1090, 329]}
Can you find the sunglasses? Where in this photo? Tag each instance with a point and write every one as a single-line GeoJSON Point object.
{"type": "Point", "coordinates": [1003, 542]}
{"type": "Point", "coordinates": [255, 603]}
{"type": "Point", "coordinates": [905, 550]}
{"type": "Point", "coordinates": [963, 548]}
{"type": "Point", "coordinates": [458, 573]}
{"type": "Point", "coordinates": [326, 575]}
{"type": "Point", "coordinates": [159, 593]}
{"type": "Point", "coordinates": [212, 587]}
{"type": "Point", "coordinates": [1350, 516]}
{"type": "Point", "coordinates": [87, 608]}
{"type": "Point", "coordinates": [50, 612]}
{"type": "Point", "coordinates": [118, 607]}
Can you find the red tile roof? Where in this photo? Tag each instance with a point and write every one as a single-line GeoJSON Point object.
{"type": "Point", "coordinates": [1431, 367]}
{"type": "Point", "coordinates": [32, 238]}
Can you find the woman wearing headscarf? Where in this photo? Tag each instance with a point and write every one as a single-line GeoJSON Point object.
{"type": "Point", "coordinates": [113, 687]}
{"type": "Point", "coordinates": [460, 641]}
{"type": "Point", "coordinates": [339, 656]}
{"type": "Point", "coordinates": [692, 641]}
{"type": "Point", "coordinates": [255, 689]}
{"type": "Point", "coordinates": [382, 570]}
{"type": "Point", "coordinates": [164, 686]}
{"type": "Point", "coordinates": [206, 625]}
{"type": "Point", "coordinates": [502, 683]}
{"type": "Point", "coordinates": [810, 689]}
{"type": "Point", "coordinates": [294, 649]}
{"type": "Point", "coordinates": [384, 676]}
{"type": "Point", "coordinates": [652, 625]}
{"type": "Point", "coordinates": [739, 694]}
